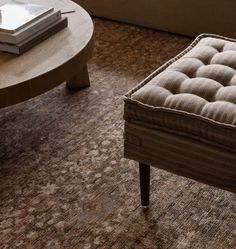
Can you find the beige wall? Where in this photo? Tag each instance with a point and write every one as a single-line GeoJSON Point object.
{"type": "Point", "coordinates": [188, 17]}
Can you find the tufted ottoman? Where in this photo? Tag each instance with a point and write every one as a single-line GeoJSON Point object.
{"type": "Point", "coordinates": [182, 118]}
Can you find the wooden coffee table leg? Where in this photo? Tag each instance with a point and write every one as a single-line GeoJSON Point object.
{"type": "Point", "coordinates": [80, 80]}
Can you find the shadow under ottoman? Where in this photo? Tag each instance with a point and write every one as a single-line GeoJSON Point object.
{"type": "Point", "coordinates": [182, 118]}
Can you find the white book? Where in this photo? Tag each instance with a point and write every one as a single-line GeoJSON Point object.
{"type": "Point", "coordinates": [16, 15]}
{"type": "Point", "coordinates": [34, 39]}
{"type": "Point", "coordinates": [31, 29]}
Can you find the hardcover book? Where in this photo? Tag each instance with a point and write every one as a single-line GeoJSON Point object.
{"type": "Point", "coordinates": [16, 15]}
{"type": "Point", "coordinates": [27, 44]}
{"type": "Point", "coordinates": [31, 29]}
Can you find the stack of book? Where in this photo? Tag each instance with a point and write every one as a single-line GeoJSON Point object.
{"type": "Point", "coordinates": [24, 25]}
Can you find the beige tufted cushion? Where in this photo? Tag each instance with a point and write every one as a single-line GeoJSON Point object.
{"type": "Point", "coordinates": [193, 94]}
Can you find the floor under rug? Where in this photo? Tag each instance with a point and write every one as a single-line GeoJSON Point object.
{"type": "Point", "coordinates": [64, 182]}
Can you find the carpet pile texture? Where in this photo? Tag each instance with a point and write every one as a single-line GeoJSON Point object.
{"type": "Point", "coordinates": [64, 182]}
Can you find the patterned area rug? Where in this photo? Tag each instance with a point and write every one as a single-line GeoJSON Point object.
{"type": "Point", "coordinates": [64, 182]}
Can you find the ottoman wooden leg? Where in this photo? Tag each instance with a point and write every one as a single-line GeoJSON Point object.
{"type": "Point", "coordinates": [80, 80]}
{"type": "Point", "coordinates": [144, 174]}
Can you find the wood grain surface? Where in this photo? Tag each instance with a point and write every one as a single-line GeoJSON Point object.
{"type": "Point", "coordinates": [59, 58]}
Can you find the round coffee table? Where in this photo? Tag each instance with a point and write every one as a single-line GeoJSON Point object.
{"type": "Point", "coordinates": [62, 57]}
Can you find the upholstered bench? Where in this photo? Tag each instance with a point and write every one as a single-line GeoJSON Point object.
{"type": "Point", "coordinates": [182, 118]}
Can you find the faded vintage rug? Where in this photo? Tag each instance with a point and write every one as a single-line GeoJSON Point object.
{"type": "Point", "coordinates": [64, 182]}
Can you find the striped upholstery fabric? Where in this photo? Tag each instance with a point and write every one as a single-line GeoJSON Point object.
{"type": "Point", "coordinates": [182, 118]}
{"type": "Point", "coordinates": [181, 155]}
{"type": "Point", "coordinates": [194, 94]}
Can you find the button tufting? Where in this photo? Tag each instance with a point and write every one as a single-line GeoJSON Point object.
{"type": "Point", "coordinates": [199, 88]}
{"type": "Point", "coordinates": [226, 58]}
{"type": "Point", "coordinates": [219, 73]}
